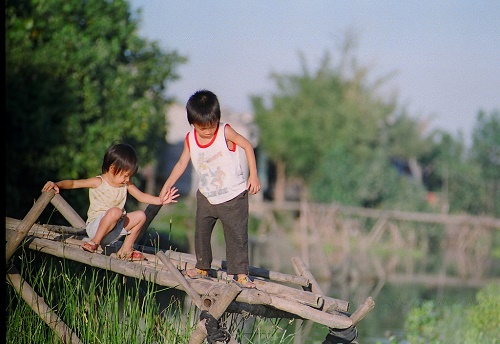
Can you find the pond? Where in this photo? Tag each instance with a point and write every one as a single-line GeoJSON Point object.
{"type": "Point", "coordinates": [392, 305]}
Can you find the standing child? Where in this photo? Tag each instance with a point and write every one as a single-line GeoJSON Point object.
{"type": "Point", "coordinates": [214, 149]}
{"type": "Point", "coordinates": [107, 220]}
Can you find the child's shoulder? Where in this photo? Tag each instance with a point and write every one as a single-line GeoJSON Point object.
{"type": "Point", "coordinates": [95, 182]}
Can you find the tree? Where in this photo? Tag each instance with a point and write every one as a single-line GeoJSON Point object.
{"type": "Point", "coordinates": [78, 77]}
{"type": "Point", "coordinates": [334, 109]}
{"type": "Point", "coordinates": [486, 152]}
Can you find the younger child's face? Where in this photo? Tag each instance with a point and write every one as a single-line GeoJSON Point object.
{"type": "Point", "coordinates": [206, 131]}
{"type": "Point", "coordinates": [121, 178]}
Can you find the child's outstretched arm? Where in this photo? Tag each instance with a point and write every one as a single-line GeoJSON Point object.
{"type": "Point", "coordinates": [253, 185]}
{"type": "Point", "coordinates": [176, 173]}
{"type": "Point", "coordinates": [71, 184]}
{"type": "Point", "coordinates": [170, 195]}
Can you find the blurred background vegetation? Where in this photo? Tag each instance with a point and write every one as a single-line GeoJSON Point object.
{"type": "Point", "coordinates": [78, 77]}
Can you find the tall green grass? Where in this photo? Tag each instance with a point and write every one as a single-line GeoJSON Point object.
{"type": "Point", "coordinates": [105, 307]}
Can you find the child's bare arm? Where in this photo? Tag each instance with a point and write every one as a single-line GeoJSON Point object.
{"type": "Point", "coordinates": [253, 185]}
{"type": "Point", "coordinates": [170, 195]}
{"type": "Point", "coordinates": [92, 182]}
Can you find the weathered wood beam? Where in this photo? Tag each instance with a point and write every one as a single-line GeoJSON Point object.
{"type": "Point", "coordinates": [26, 224]}
{"type": "Point", "coordinates": [390, 214]}
{"type": "Point", "coordinates": [67, 211]}
{"type": "Point", "coordinates": [301, 269]}
{"type": "Point", "coordinates": [301, 296]}
{"type": "Point", "coordinates": [228, 294]}
{"type": "Point", "coordinates": [363, 310]}
{"type": "Point", "coordinates": [141, 271]}
{"type": "Point", "coordinates": [254, 271]}
{"type": "Point", "coordinates": [182, 281]}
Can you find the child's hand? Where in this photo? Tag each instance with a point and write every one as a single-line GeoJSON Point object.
{"type": "Point", "coordinates": [49, 186]}
{"type": "Point", "coordinates": [253, 185]}
{"type": "Point", "coordinates": [170, 196]}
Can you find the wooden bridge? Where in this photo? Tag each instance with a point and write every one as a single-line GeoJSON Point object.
{"type": "Point", "coordinates": [278, 295]}
{"type": "Point", "coordinates": [350, 248]}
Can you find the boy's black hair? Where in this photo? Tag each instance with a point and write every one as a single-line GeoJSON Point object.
{"type": "Point", "coordinates": [203, 108]}
{"type": "Point", "coordinates": [122, 156]}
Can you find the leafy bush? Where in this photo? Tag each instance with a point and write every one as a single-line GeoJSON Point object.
{"type": "Point", "coordinates": [478, 323]}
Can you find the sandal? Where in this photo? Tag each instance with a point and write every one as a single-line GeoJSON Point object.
{"type": "Point", "coordinates": [135, 256]}
{"type": "Point", "coordinates": [90, 246]}
{"type": "Point", "coordinates": [196, 273]}
{"type": "Point", "coordinates": [245, 282]}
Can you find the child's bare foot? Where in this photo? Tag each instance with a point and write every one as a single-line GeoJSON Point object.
{"type": "Point", "coordinates": [90, 246]}
{"type": "Point", "coordinates": [133, 256]}
{"type": "Point", "coordinates": [196, 273]}
{"type": "Point", "coordinates": [245, 282]}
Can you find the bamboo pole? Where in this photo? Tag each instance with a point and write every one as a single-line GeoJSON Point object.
{"type": "Point", "coordinates": [229, 293]}
{"type": "Point", "coordinates": [165, 278]}
{"type": "Point", "coordinates": [363, 310]}
{"type": "Point", "coordinates": [67, 211]}
{"type": "Point", "coordinates": [266, 287]}
{"type": "Point", "coordinates": [302, 270]}
{"type": "Point", "coordinates": [253, 271]}
{"type": "Point", "coordinates": [182, 281]}
{"type": "Point", "coordinates": [26, 224]}
{"type": "Point", "coordinates": [38, 305]}
{"type": "Point", "coordinates": [301, 296]}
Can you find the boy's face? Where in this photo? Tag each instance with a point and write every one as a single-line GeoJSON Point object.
{"type": "Point", "coordinates": [206, 131]}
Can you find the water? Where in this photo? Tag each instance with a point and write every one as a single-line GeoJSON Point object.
{"type": "Point", "coordinates": [393, 303]}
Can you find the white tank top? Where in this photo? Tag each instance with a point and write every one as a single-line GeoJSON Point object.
{"type": "Point", "coordinates": [221, 171]}
{"type": "Point", "coordinates": [105, 197]}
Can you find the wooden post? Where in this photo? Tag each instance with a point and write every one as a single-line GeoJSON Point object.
{"type": "Point", "coordinates": [185, 285]}
{"type": "Point", "coordinates": [302, 270]}
{"type": "Point", "coordinates": [67, 211]}
{"type": "Point", "coordinates": [26, 224]}
{"type": "Point", "coordinates": [39, 306]}
{"type": "Point", "coordinates": [229, 293]}
{"type": "Point", "coordinates": [363, 310]}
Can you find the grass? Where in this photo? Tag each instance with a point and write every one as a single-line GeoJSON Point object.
{"type": "Point", "coordinates": [105, 307]}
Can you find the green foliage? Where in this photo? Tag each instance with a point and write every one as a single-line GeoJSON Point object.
{"type": "Point", "coordinates": [430, 323]}
{"type": "Point", "coordinates": [333, 130]}
{"type": "Point", "coordinates": [483, 318]}
{"type": "Point", "coordinates": [486, 152]}
{"type": "Point", "coordinates": [78, 78]}
{"type": "Point", "coordinates": [463, 187]}
{"type": "Point", "coordinates": [370, 182]}
{"type": "Point", "coordinates": [311, 113]}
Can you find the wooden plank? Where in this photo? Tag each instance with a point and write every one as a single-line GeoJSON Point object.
{"type": "Point", "coordinates": [182, 281]}
{"type": "Point", "coordinates": [165, 278]}
{"type": "Point", "coordinates": [28, 221]}
{"type": "Point", "coordinates": [363, 310]}
{"type": "Point", "coordinates": [301, 296]}
{"type": "Point", "coordinates": [67, 211]}
{"type": "Point", "coordinates": [302, 270]}
{"type": "Point", "coordinates": [254, 271]}
{"type": "Point", "coordinates": [228, 294]}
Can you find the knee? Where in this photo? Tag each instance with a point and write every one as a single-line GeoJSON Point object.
{"type": "Point", "coordinates": [137, 218]}
{"type": "Point", "coordinates": [141, 216]}
{"type": "Point", "coordinates": [114, 213]}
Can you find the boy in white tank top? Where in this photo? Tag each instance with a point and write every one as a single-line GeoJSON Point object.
{"type": "Point", "coordinates": [215, 150]}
